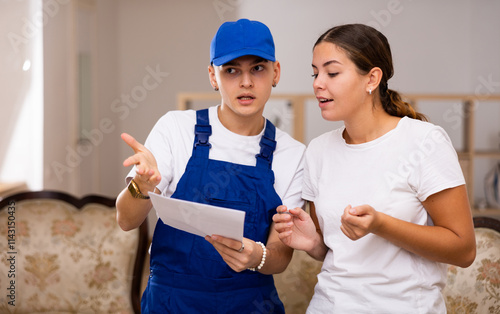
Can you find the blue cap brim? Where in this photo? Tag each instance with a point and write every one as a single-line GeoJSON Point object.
{"type": "Point", "coordinates": [240, 53]}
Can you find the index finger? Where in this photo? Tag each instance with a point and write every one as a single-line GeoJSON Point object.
{"type": "Point", "coordinates": [132, 142]}
{"type": "Point", "coordinates": [282, 209]}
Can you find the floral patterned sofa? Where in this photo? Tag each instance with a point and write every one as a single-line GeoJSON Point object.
{"type": "Point", "coordinates": [476, 289]}
{"type": "Point", "coordinates": [60, 254]}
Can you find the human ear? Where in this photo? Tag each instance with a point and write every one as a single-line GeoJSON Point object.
{"type": "Point", "coordinates": [276, 72]}
{"type": "Point", "coordinates": [374, 78]}
{"type": "Point", "coordinates": [212, 78]}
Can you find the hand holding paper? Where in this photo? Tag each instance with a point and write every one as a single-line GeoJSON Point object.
{"type": "Point", "coordinates": [199, 219]}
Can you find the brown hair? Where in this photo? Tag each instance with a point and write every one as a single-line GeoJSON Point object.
{"type": "Point", "coordinates": [368, 48]}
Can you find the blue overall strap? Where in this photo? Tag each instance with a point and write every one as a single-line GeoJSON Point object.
{"type": "Point", "coordinates": [202, 131]}
{"type": "Point", "coordinates": [267, 146]}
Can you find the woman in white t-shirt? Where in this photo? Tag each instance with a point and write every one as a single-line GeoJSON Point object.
{"type": "Point", "coordinates": [388, 200]}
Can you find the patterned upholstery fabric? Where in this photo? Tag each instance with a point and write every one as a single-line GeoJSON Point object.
{"type": "Point", "coordinates": [65, 260]}
{"type": "Point", "coordinates": [476, 289]}
{"type": "Point", "coordinates": [296, 284]}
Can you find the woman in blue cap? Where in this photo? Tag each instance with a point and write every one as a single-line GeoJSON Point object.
{"type": "Point", "coordinates": [228, 155]}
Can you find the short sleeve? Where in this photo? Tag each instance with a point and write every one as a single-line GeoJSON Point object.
{"type": "Point", "coordinates": [288, 167]}
{"type": "Point", "coordinates": [436, 165]}
{"type": "Point", "coordinates": [310, 180]}
{"type": "Point", "coordinates": [292, 197]}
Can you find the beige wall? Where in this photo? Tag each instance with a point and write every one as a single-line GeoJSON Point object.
{"type": "Point", "coordinates": [21, 116]}
{"type": "Point", "coordinates": [68, 167]}
{"type": "Point", "coordinates": [146, 53]}
{"type": "Point", "coordinates": [438, 47]}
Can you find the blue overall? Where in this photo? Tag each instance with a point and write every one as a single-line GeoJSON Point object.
{"type": "Point", "coordinates": [187, 274]}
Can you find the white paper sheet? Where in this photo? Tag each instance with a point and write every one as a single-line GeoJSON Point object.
{"type": "Point", "coordinates": [199, 219]}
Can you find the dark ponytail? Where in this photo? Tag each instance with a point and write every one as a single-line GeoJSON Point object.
{"type": "Point", "coordinates": [395, 106]}
{"type": "Point", "coordinates": [368, 48]}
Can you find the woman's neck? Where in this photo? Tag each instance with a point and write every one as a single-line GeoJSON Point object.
{"type": "Point", "coordinates": [369, 127]}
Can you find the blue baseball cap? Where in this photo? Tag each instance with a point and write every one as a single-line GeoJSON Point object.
{"type": "Point", "coordinates": [241, 38]}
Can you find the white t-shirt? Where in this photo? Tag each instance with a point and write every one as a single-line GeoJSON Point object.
{"type": "Point", "coordinates": [171, 142]}
{"type": "Point", "coordinates": [393, 174]}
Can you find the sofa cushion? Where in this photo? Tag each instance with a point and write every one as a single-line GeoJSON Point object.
{"type": "Point", "coordinates": [476, 289]}
{"type": "Point", "coordinates": [64, 259]}
{"type": "Point", "coordinates": [295, 285]}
